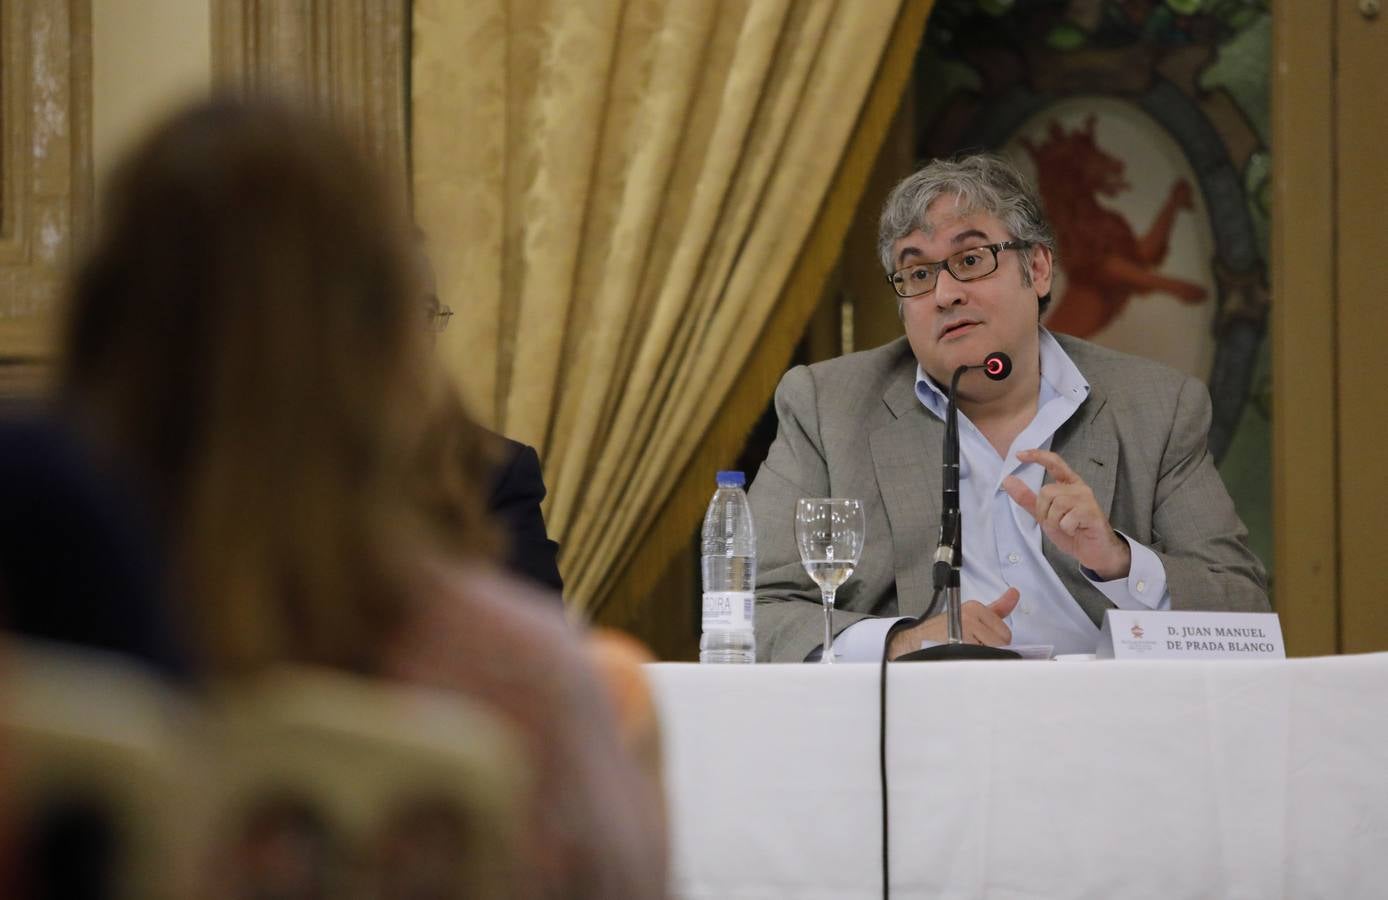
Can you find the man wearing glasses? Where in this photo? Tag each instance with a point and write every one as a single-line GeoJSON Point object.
{"type": "Point", "coordinates": [1085, 481]}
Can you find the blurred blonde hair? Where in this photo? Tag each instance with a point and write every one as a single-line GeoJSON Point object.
{"type": "Point", "coordinates": [247, 336]}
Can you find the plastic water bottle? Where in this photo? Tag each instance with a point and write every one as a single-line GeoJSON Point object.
{"type": "Point", "coordinates": [730, 575]}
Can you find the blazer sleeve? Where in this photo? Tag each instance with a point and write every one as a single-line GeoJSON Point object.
{"type": "Point", "coordinates": [517, 491]}
{"type": "Point", "coordinates": [789, 614]}
{"type": "Point", "coordinates": [1197, 534]}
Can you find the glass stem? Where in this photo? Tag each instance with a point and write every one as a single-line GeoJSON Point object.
{"type": "Point", "coordinates": [828, 655]}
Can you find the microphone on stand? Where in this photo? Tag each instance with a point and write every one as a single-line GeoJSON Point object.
{"type": "Point", "coordinates": [949, 554]}
{"type": "Point", "coordinates": [997, 366]}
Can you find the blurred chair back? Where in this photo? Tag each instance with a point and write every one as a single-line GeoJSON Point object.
{"type": "Point", "coordinates": [329, 785]}
{"type": "Point", "coordinates": [299, 784]}
{"type": "Point", "coordinates": [97, 781]}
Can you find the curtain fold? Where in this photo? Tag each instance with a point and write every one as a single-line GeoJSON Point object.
{"type": "Point", "coordinates": [633, 208]}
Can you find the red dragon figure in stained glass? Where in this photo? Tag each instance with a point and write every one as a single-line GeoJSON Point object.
{"type": "Point", "coordinates": [1105, 261]}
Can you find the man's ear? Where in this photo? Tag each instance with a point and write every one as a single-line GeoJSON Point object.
{"type": "Point", "coordinates": [1040, 270]}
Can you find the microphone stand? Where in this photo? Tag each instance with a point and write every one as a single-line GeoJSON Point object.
{"type": "Point", "coordinates": [949, 555]}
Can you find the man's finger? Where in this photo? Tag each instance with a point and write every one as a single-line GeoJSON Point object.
{"type": "Point", "coordinates": [1021, 495]}
{"type": "Point", "coordinates": [971, 622]}
{"type": "Point", "coordinates": [986, 627]}
{"type": "Point", "coordinates": [995, 633]}
{"type": "Point", "coordinates": [1003, 606]}
{"type": "Point", "coordinates": [1062, 505]}
{"type": "Point", "coordinates": [978, 632]}
{"type": "Point", "coordinates": [1052, 463]}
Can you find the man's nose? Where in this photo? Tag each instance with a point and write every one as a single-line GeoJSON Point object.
{"type": "Point", "coordinates": [949, 291]}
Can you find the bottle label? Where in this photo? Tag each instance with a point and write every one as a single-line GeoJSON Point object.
{"type": "Point", "coordinates": [728, 610]}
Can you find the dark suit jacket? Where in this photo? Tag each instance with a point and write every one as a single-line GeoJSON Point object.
{"type": "Point", "coordinates": [517, 489]}
{"type": "Point", "coordinates": [79, 560]}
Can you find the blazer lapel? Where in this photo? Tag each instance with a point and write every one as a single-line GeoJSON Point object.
{"type": "Point", "coordinates": [906, 457]}
{"type": "Point", "coordinates": [1088, 443]}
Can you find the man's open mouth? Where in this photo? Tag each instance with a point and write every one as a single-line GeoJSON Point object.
{"type": "Point", "coordinates": [954, 328]}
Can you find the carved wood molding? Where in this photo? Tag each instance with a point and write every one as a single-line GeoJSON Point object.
{"type": "Point", "coordinates": [45, 173]}
{"type": "Point", "coordinates": [343, 56]}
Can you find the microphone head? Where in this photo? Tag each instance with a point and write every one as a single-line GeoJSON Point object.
{"type": "Point", "coordinates": [997, 366]}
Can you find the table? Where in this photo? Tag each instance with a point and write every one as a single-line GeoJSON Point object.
{"type": "Point", "coordinates": [1030, 779]}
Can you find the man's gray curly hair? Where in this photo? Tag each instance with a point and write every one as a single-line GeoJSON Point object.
{"type": "Point", "coordinates": [982, 182]}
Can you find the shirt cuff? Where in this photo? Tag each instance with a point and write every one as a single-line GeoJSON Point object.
{"type": "Point", "coordinates": [863, 641]}
{"type": "Point", "coordinates": [1145, 586]}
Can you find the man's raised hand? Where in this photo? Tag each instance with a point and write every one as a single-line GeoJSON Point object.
{"type": "Point", "coordinates": [1070, 516]}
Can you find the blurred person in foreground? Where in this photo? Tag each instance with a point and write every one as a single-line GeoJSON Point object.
{"type": "Point", "coordinates": [246, 337]}
{"type": "Point", "coordinates": [1085, 479]}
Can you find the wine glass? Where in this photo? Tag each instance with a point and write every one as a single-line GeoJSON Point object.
{"type": "Point", "coordinates": [829, 533]}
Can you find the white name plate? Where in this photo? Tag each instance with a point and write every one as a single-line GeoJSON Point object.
{"type": "Point", "coordinates": [1128, 634]}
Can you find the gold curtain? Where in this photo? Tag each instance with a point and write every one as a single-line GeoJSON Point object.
{"type": "Point", "coordinates": [633, 207]}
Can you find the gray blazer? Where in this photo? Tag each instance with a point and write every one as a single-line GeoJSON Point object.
{"type": "Point", "coordinates": [852, 427]}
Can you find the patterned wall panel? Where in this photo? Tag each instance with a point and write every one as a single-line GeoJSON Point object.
{"type": "Point", "coordinates": [45, 174]}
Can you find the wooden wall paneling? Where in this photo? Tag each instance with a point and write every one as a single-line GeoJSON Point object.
{"type": "Point", "coordinates": [1303, 333]}
{"type": "Point", "coordinates": [1361, 272]}
{"type": "Point", "coordinates": [45, 175]}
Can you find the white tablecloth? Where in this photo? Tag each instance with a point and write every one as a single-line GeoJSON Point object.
{"type": "Point", "coordinates": [1031, 779]}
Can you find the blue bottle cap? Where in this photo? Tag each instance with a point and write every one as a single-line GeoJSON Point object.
{"type": "Point", "coordinates": [731, 479]}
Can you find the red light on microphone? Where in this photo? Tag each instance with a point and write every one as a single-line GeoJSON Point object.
{"type": "Point", "coordinates": [997, 366]}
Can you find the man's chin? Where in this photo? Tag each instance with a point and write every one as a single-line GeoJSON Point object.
{"type": "Point", "coordinates": [941, 369]}
{"type": "Point", "coordinates": [939, 360]}
{"type": "Point", "coordinates": [962, 351]}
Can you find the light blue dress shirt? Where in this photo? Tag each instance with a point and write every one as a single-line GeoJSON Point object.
{"type": "Point", "coordinates": [1002, 542]}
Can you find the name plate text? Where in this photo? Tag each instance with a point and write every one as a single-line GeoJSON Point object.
{"type": "Point", "coordinates": [1128, 634]}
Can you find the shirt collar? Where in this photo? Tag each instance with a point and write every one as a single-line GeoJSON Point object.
{"type": "Point", "coordinates": [1060, 377]}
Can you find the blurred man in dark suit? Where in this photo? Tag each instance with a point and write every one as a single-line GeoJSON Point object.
{"type": "Point", "coordinates": [517, 484]}
{"type": "Point", "coordinates": [518, 487]}
{"type": "Point", "coordinates": [80, 558]}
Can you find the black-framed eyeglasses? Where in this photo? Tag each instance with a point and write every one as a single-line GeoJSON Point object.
{"type": "Point", "coordinates": [966, 265]}
{"type": "Point", "coordinates": [437, 316]}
